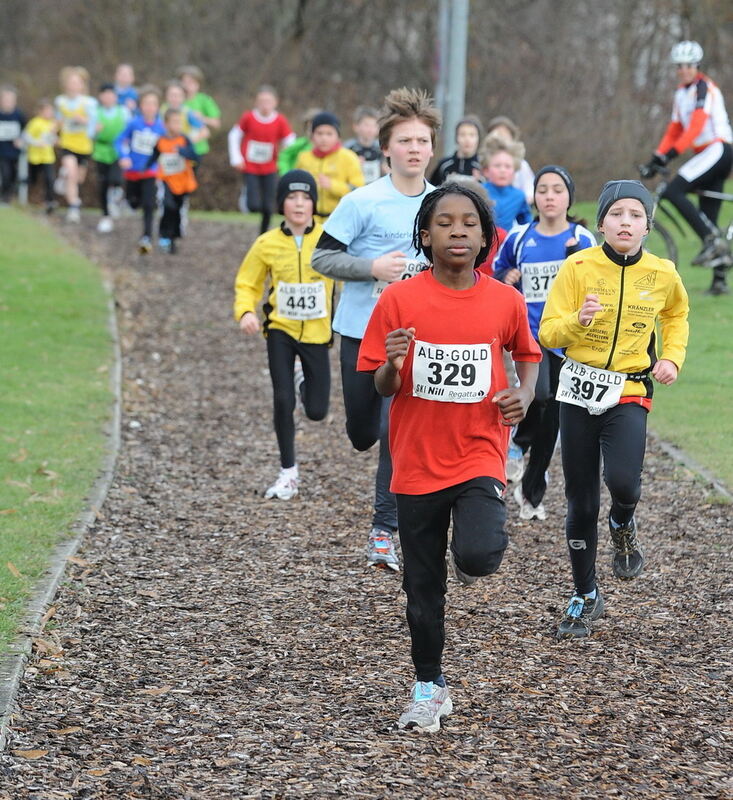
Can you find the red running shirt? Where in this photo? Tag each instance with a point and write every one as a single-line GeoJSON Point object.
{"type": "Point", "coordinates": [438, 444]}
{"type": "Point", "coordinates": [261, 141]}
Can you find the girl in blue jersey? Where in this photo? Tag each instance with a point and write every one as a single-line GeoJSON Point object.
{"type": "Point", "coordinates": [134, 146]}
{"type": "Point", "coordinates": [529, 260]}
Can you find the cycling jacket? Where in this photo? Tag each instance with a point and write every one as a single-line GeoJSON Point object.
{"type": "Point", "coordinates": [635, 292]}
{"type": "Point", "coordinates": [698, 119]}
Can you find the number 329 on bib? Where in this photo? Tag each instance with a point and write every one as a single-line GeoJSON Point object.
{"type": "Point", "coordinates": [451, 373]}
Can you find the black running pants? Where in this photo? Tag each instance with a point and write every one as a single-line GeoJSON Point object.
{"type": "Point", "coordinates": [537, 432]}
{"type": "Point", "coordinates": [619, 436]}
{"type": "Point", "coordinates": [281, 352]}
{"type": "Point", "coordinates": [478, 545]}
{"type": "Point", "coordinates": [141, 194]}
{"type": "Point", "coordinates": [261, 196]}
{"type": "Point", "coordinates": [367, 421]}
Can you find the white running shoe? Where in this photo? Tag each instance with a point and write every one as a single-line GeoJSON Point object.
{"type": "Point", "coordinates": [381, 551]}
{"type": "Point", "coordinates": [73, 214]}
{"type": "Point", "coordinates": [428, 703]}
{"type": "Point", "coordinates": [105, 225]}
{"type": "Point", "coordinates": [526, 509]}
{"type": "Point", "coordinates": [285, 487]}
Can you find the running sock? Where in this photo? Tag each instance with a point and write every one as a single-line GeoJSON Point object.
{"type": "Point", "coordinates": [290, 472]}
{"type": "Point", "coordinates": [440, 681]}
{"type": "Point", "coordinates": [590, 595]}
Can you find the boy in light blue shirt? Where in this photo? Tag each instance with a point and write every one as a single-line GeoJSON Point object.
{"type": "Point", "coordinates": [367, 244]}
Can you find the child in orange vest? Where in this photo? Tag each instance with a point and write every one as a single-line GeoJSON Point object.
{"type": "Point", "coordinates": [175, 155]}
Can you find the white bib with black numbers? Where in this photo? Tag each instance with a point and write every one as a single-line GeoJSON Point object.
{"type": "Point", "coordinates": [9, 130]}
{"type": "Point", "coordinates": [537, 279]}
{"type": "Point", "coordinates": [259, 152]}
{"type": "Point", "coordinates": [172, 163]}
{"type": "Point", "coordinates": [144, 141]}
{"type": "Point", "coordinates": [451, 373]}
{"type": "Point", "coordinates": [411, 268]}
{"type": "Point", "coordinates": [74, 125]}
{"type": "Point", "coordinates": [302, 301]}
{"type": "Point", "coordinates": [593, 388]}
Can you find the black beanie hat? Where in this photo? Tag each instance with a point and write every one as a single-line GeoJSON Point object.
{"type": "Point", "coordinates": [326, 118]}
{"type": "Point", "coordinates": [621, 190]}
{"type": "Point", "coordinates": [297, 180]}
{"type": "Point", "coordinates": [563, 173]}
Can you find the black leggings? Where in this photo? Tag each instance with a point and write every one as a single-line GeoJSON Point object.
{"type": "Point", "coordinates": [537, 432]}
{"type": "Point", "coordinates": [478, 546]}
{"type": "Point", "coordinates": [712, 178]}
{"type": "Point", "coordinates": [108, 175]}
{"type": "Point", "coordinates": [8, 177]}
{"type": "Point", "coordinates": [141, 194]}
{"type": "Point", "coordinates": [261, 196]}
{"type": "Point", "coordinates": [619, 435]}
{"type": "Point", "coordinates": [170, 221]}
{"type": "Point", "coordinates": [281, 352]}
{"type": "Point", "coordinates": [47, 171]}
{"type": "Point", "coordinates": [367, 421]}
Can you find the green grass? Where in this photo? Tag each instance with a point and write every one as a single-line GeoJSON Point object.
{"type": "Point", "coordinates": [55, 359]}
{"type": "Point", "coordinates": [694, 413]}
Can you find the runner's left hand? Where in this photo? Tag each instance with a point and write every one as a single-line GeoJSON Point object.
{"type": "Point", "coordinates": [513, 404]}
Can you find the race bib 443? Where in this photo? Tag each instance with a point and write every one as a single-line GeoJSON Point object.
{"type": "Point", "coordinates": [302, 301]}
{"type": "Point", "coordinates": [451, 373]}
{"type": "Point", "coordinates": [593, 388]}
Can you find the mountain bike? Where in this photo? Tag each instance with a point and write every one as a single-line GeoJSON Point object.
{"type": "Point", "coordinates": [661, 240]}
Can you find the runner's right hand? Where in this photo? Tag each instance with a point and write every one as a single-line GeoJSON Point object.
{"type": "Point", "coordinates": [249, 323]}
{"type": "Point", "coordinates": [397, 344]}
{"type": "Point", "coordinates": [389, 267]}
{"type": "Point", "coordinates": [591, 306]}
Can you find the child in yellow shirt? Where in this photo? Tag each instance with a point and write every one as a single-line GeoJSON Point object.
{"type": "Point", "coordinates": [335, 168]}
{"type": "Point", "coordinates": [298, 313]}
{"type": "Point", "coordinates": [40, 137]}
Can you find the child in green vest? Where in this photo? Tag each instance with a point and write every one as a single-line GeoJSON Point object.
{"type": "Point", "coordinates": [111, 121]}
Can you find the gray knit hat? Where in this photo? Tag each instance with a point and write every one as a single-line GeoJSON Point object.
{"type": "Point", "coordinates": [620, 190]}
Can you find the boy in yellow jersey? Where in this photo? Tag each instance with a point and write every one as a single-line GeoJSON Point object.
{"type": "Point", "coordinates": [40, 137]}
{"type": "Point", "coordinates": [336, 169]}
{"type": "Point", "coordinates": [603, 308]}
{"type": "Point", "coordinates": [297, 320]}
{"type": "Point", "coordinates": [77, 116]}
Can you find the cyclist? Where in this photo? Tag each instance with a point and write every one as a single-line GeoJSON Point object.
{"type": "Point", "coordinates": [700, 121]}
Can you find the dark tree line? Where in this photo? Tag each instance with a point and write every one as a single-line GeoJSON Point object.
{"type": "Point", "coordinates": [589, 83]}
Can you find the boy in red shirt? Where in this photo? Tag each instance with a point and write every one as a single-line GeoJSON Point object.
{"type": "Point", "coordinates": [253, 147]}
{"type": "Point", "coordinates": [434, 343]}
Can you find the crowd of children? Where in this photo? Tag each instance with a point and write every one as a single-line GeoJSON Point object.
{"type": "Point", "coordinates": [144, 152]}
{"type": "Point", "coordinates": [476, 315]}
{"type": "Point", "coordinates": [427, 312]}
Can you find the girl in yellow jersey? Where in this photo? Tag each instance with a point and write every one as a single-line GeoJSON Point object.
{"type": "Point", "coordinates": [77, 116]}
{"type": "Point", "coordinates": [298, 315]}
{"type": "Point", "coordinates": [603, 309]}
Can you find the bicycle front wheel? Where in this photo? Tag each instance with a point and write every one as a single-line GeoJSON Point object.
{"type": "Point", "coordinates": [661, 242]}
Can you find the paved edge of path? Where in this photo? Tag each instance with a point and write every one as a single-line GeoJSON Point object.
{"type": "Point", "coordinates": [12, 665]}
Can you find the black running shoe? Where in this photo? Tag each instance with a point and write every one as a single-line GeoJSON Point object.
{"type": "Point", "coordinates": [714, 248]}
{"type": "Point", "coordinates": [579, 616]}
{"type": "Point", "coordinates": [718, 287]}
{"type": "Point", "coordinates": [628, 558]}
